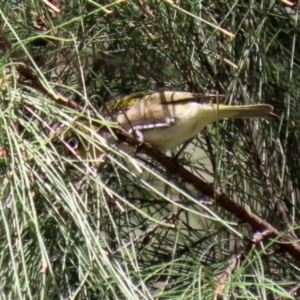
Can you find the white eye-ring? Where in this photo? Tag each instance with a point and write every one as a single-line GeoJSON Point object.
{"type": "Point", "coordinates": [73, 143]}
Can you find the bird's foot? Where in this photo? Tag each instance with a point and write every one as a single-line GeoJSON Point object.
{"type": "Point", "coordinates": [137, 134]}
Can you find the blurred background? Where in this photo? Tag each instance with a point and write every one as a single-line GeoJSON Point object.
{"type": "Point", "coordinates": [126, 228]}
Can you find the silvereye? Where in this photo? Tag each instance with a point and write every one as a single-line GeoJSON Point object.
{"type": "Point", "coordinates": [165, 119]}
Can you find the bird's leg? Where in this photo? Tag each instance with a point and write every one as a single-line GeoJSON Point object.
{"type": "Point", "coordinates": [137, 129]}
{"type": "Point", "coordinates": [136, 132]}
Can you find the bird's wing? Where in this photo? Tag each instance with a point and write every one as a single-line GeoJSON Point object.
{"type": "Point", "coordinates": [160, 109]}
{"type": "Point", "coordinates": [146, 114]}
{"type": "Point", "coordinates": [171, 97]}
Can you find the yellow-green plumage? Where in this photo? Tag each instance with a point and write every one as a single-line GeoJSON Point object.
{"type": "Point", "coordinates": [168, 119]}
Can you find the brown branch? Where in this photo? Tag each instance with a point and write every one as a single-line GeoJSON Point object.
{"type": "Point", "coordinates": [284, 241]}
{"type": "Point", "coordinates": [28, 78]}
{"type": "Point", "coordinates": [35, 84]}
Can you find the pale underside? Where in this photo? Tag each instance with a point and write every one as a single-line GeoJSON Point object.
{"type": "Point", "coordinates": [165, 126]}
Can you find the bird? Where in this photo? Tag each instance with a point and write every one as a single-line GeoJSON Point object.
{"type": "Point", "coordinates": [162, 119]}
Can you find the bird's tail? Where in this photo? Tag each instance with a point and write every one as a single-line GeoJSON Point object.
{"type": "Point", "coordinates": [245, 111]}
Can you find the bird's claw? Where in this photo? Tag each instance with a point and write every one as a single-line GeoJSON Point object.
{"type": "Point", "coordinates": [137, 134]}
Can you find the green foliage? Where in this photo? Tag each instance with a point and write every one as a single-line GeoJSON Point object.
{"type": "Point", "coordinates": [125, 228]}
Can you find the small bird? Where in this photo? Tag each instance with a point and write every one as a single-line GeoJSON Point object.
{"type": "Point", "coordinates": [165, 119]}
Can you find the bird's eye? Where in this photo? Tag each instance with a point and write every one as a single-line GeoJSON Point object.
{"type": "Point", "coordinates": [73, 143]}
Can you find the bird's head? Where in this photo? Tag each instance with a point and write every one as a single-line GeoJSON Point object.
{"type": "Point", "coordinates": [86, 140]}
